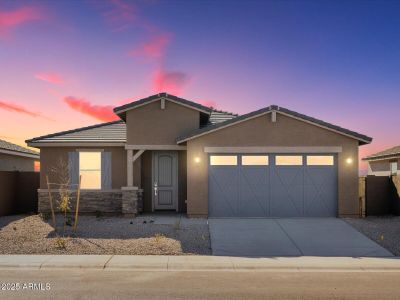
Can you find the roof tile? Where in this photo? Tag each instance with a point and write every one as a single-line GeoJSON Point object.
{"type": "Point", "coordinates": [108, 132]}
{"type": "Point", "coordinates": [16, 148]}
{"type": "Point", "coordinates": [391, 152]}
{"type": "Point", "coordinates": [105, 132]}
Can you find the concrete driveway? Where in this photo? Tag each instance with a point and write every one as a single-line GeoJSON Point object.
{"type": "Point", "coordinates": [290, 237]}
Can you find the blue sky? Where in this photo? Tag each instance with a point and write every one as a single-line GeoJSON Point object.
{"type": "Point", "coordinates": [72, 61]}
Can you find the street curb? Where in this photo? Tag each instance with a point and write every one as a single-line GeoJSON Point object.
{"type": "Point", "coordinates": [200, 263]}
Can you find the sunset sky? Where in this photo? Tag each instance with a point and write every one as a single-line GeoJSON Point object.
{"type": "Point", "coordinates": [65, 64]}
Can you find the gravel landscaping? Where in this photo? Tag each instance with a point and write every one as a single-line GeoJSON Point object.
{"type": "Point", "coordinates": [383, 230]}
{"type": "Point", "coordinates": [144, 235]}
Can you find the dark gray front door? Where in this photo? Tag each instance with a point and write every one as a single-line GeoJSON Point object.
{"type": "Point", "coordinates": [165, 180]}
{"type": "Point", "coordinates": [303, 185]}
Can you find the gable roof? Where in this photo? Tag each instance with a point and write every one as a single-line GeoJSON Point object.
{"type": "Point", "coordinates": [363, 139]}
{"type": "Point", "coordinates": [115, 132]}
{"type": "Point", "coordinates": [13, 149]}
{"type": "Point", "coordinates": [121, 110]}
{"type": "Point", "coordinates": [388, 153]}
{"type": "Point", "coordinates": [110, 132]}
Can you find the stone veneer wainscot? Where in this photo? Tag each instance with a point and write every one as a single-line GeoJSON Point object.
{"type": "Point", "coordinates": [126, 202]}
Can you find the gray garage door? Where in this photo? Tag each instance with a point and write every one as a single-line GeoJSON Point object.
{"type": "Point", "coordinates": [274, 185]}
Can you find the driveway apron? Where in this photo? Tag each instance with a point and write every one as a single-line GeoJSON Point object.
{"type": "Point", "coordinates": [290, 237]}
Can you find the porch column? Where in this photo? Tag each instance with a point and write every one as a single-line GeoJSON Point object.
{"type": "Point", "coordinates": [129, 168]}
{"type": "Point", "coordinates": [131, 195]}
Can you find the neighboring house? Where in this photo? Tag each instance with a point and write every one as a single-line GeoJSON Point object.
{"type": "Point", "coordinates": [17, 158]}
{"type": "Point", "coordinates": [384, 163]}
{"type": "Point", "coordinates": [168, 153]}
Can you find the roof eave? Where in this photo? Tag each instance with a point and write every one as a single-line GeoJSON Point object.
{"type": "Point", "coordinates": [40, 144]}
{"type": "Point", "coordinates": [40, 138]}
{"type": "Point", "coordinates": [19, 153]}
{"type": "Point", "coordinates": [381, 157]}
{"type": "Point", "coordinates": [272, 108]}
{"type": "Point", "coordinates": [121, 110]}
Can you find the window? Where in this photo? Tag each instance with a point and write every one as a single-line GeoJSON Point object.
{"type": "Point", "coordinates": [90, 170]}
{"type": "Point", "coordinates": [36, 166]}
{"type": "Point", "coordinates": [288, 160]}
{"type": "Point", "coordinates": [322, 160]}
{"type": "Point", "coordinates": [255, 160]}
{"type": "Point", "coordinates": [223, 160]}
{"type": "Point", "coordinates": [393, 168]}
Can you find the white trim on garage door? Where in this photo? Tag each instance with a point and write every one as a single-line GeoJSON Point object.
{"type": "Point", "coordinates": [323, 149]}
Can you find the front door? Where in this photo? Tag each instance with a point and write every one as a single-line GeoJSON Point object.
{"type": "Point", "coordinates": [165, 180]}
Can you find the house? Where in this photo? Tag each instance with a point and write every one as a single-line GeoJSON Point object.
{"type": "Point", "coordinates": [168, 153]}
{"type": "Point", "coordinates": [384, 163]}
{"type": "Point", "coordinates": [17, 158]}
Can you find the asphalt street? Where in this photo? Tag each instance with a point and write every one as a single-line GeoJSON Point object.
{"type": "Point", "coordinates": [103, 284]}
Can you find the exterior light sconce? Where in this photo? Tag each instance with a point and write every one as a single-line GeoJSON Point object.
{"type": "Point", "coordinates": [197, 159]}
{"type": "Point", "coordinates": [349, 161]}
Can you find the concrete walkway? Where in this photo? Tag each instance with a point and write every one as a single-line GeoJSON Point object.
{"type": "Point", "coordinates": [290, 237]}
{"type": "Point", "coordinates": [197, 263]}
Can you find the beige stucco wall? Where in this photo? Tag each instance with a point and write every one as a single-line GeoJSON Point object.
{"type": "Point", "coordinates": [51, 157]}
{"type": "Point", "coordinates": [16, 163]}
{"type": "Point", "coordinates": [151, 125]}
{"type": "Point", "coordinates": [381, 167]}
{"type": "Point", "coordinates": [261, 131]}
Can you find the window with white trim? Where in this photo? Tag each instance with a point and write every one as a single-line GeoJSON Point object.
{"type": "Point", "coordinates": [90, 170]}
{"type": "Point", "coordinates": [393, 168]}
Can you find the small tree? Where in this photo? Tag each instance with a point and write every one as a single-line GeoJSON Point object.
{"type": "Point", "coordinates": [61, 174]}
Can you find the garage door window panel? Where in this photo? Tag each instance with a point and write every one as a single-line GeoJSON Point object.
{"type": "Point", "coordinates": [223, 160]}
{"type": "Point", "coordinates": [255, 160]}
{"type": "Point", "coordinates": [320, 160]}
{"type": "Point", "coordinates": [288, 160]}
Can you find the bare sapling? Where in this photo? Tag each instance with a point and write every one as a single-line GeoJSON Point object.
{"type": "Point", "coordinates": [60, 175]}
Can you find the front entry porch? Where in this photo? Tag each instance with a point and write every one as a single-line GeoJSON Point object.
{"type": "Point", "coordinates": [159, 172]}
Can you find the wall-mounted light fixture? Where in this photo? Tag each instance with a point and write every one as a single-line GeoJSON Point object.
{"type": "Point", "coordinates": [197, 159]}
{"type": "Point", "coordinates": [349, 160]}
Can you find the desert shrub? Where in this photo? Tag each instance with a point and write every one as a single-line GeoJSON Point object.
{"type": "Point", "coordinates": [158, 237]}
{"type": "Point", "coordinates": [61, 243]}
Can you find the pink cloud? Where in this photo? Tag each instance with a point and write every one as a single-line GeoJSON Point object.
{"type": "Point", "coordinates": [18, 109]}
{"type": "Point", "coordinates": [171, 82]}
{"type": "Point", "coordinates": [11, 19]}
{"type": "Point", "coordinates": [50, 77]}
{"type": "Point", "coordinates": [100, 112]}
{"type": "Point", "coordinates": [154, 48]}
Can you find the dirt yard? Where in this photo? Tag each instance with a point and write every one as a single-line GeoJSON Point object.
{"type": "Point", "coordinates": [383, 230]}
{"type": "Point", "coordinates": [144, 235]}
